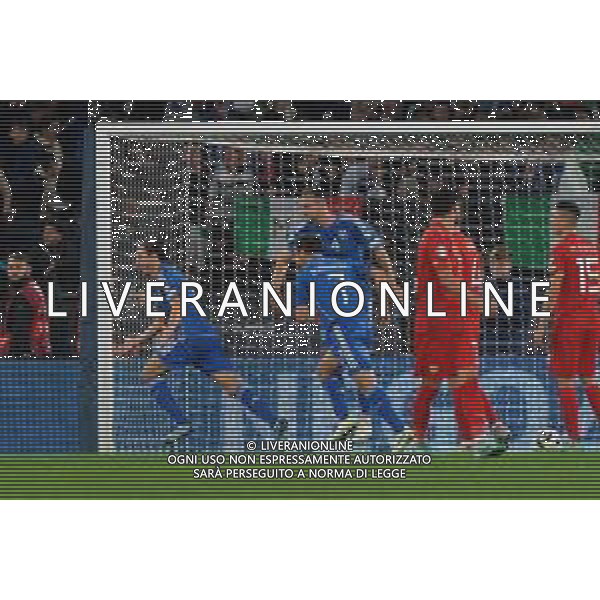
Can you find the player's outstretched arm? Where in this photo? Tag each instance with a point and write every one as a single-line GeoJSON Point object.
{"type": "Point", "coordinates": [135, 343]}
{"type": "Point", "coordinates": [382, 271]}
{"type": "Point", "coordinates": [173, 320]}
{"type": "Point", "coordinates": [539, 337]}
{"type": "Point", "coordinates": [557, 278]}
{"type": "Point", "coordinates": [383, 264]}
{"type": "Point", "coordinates": [303, 315]}
{"type": "Point", "coordinates": [281, 264]}
{"type": "Point", "coordinates": [302, 312]}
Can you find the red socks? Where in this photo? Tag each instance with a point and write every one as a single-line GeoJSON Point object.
{"type": "Point", "coordinates": [593, 395]}
{"type": "Point", "coordinates": [422, 410]}
{"type": "Point", "coordinates": [569, 409]}
{"type": "Point", "coordinates": [472, 409]}
{"type": "Point", "coordinates": [490, 413]}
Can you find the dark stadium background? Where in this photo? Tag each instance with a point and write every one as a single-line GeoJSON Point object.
{"type": "Point", "coordinates": [48, 404]}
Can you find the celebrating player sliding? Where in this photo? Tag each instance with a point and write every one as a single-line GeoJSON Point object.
{"type": "Point", "coordinates": [191, 340]}
{"type": "Point", "coordinates": [574, 325]}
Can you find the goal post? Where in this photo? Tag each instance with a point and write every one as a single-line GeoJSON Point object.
{"type": "Point", "coordinates": [164, 201]}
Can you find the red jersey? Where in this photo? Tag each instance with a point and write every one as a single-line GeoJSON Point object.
{"type": "Point", "coordinates": [443, 245]}
{"type": "Point", "coordinates": [577, 260]}
{"type": "Point", "coordinates": [26, 328]}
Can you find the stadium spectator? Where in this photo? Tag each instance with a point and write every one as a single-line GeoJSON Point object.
{"type": "Point", "coordinates": [48, 138]}
{"type": "Point", "coordinates": [318, 110]}
{"type": "Point", "coordinates": [73, 119]}
{"type": "Point", "coordinates": [57, 262]}
{"type": "Point", "coordinates": [208, 110]}
{"type": "Point", "coordinates": [25, 317]}
{"type": "Point", "coordinates": [146, 110]}
{"type": "Point", "coordinates": [440, 111]}
{"type": "Point", "coordinates": [24, 164]}
{"type": "Point", "coordinates": [376, 110]}
{"type": "Point", "coordinates": [241, 110]}
{"type": "Point", "coordinates": [464, 110]}
{"type": "Point", "coordinates": [275, 110]}
{"type": "Point", "coordinates": [110, 110]}
{"type": "Point", "coordinates": [354, 185]}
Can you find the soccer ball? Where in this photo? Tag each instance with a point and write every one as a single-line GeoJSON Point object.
{"type": "Point", "coordinates": [548, 438]}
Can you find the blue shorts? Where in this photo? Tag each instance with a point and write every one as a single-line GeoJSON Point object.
{"type": "Point", "coordinates": [351, 342]}
{"type": "Point", "coordinates": [202, 352]}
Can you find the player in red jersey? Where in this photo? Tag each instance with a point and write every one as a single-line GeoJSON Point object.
{"type": "Point", "coordinates": [575, 321]}
{"type": "Point", "coordinates": [447, 343]}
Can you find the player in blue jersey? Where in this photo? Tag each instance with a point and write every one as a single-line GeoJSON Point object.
{"type": "Point", "coordinates": [191, 340]}
{"type": "Point", "coordinates": [347, 333]}
{"type": "Point", "coordinates": [341, 236]}
{"type": "Point", "coordinates": [344, 237]}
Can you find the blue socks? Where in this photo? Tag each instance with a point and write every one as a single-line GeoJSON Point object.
{"type": "Point", "coordinates": [163, 397]}
{"type": "Point", "coordinates": [377, 402]}
{"type": "Point", "coordinates": [162, 394]}
{"type": "Point", "coordinates": [260, 408]}
{"type": "Point", "coordinates": [334, 386]}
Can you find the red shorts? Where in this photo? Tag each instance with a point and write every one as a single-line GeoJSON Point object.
{"type": "Point", "coordinates": [444, 351]}
{"type": "Point", "coordinates": [574, 348]}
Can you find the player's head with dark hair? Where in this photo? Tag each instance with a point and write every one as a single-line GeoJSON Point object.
{"type": "Point", "coordinates": [564, 217]}
{"type": "Point", "coordinates": [149, 256]}
{"type": "Point", "coordinates": [59, 229]}
{"type": "Point", "coordinates": [568, 207]}
{"type": "Point", "coordinates": [310, 244]}
{"type": "Point", "coordinates": [500, 261]}
{"type": "Point", "coordinates": [155, 247]}
{"type": "Point", "coordinates": [19, 126]}
{"type": "Point", "coordinates": [307, 247]}
{"type": "Point", "coordinates": [314, 205]}
{"type": "Point", "coordinates": [500, 252]}
{"type": "Point", "coordinates": [446, 203]}
{"type": "Point", "coordinates": [18, 266]}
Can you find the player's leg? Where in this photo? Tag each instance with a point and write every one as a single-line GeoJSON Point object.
{"type": "Point", "coordinates": [433, 363]}
{"type": "Point", "coordinates": [154, 376]}
{"type": "Point", "coordinates": [592, 392]}
{"type": "Point", "coordinates": [497, 426]}
{"type": "Point", "coordinates": [472, 410]}
{"type": "Point", "coordinates": [351, 343]}
{"type": "Point", "coordinates": [566, 358]}
{"type": "Point", "coordinates": [374, 399]}
{"type": "Point", "coordinates": [589, 360]}
{"type": "Point", "coordinates": [330, 373]}
{"type": "Point", "coordinates": [569, 406]}
{"type": "Point", "coordinates": [208, 356]}
{"type": "Point", "coordinates": [234, 385]}
{"type": "Point", "coordinates": [426, 394]}
{"type": "Point", "coordinates": [350, 354]}
{"type": "Point", "coordinates": [469, 404]}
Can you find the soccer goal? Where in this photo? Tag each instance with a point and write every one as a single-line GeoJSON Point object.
{"type": "Point", "coordinates": [222, 198]}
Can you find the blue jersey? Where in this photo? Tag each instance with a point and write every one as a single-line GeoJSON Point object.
{"type": "Point", "coordinates": [348, 338]}
{"type": "Point", "coordinates": [326, 273]}
{"type": "Point", "coordinates": [193, 324]}
{"type": "Point", "coordinates": [347, 238]}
